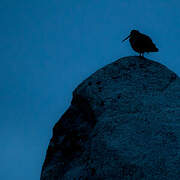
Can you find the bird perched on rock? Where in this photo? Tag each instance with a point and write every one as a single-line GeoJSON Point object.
{"type": "Point", "coordinates": [141, 43]}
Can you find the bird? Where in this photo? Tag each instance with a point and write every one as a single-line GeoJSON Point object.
{"type": "Point", "coordinates": [141, 43]}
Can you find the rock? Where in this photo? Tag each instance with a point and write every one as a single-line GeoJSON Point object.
{"type": "Point", "coordinates": [123, 124]}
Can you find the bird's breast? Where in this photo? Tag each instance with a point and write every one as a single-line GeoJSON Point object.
{"type": "Point", "coordinates": [136, 44]}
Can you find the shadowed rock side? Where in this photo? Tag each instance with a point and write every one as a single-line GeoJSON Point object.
{"type": "Point", "coordinates": [123, 124]}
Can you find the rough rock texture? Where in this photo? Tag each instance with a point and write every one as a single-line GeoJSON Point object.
{"type": "Point", "coordinates": [123, 124]}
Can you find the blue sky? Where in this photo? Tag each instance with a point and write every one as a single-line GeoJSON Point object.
{"type": "Point", "coordinates": [48, 47]}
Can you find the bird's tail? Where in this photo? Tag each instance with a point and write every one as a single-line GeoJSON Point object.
{"type": "Point", "coordinates": [155, 49]}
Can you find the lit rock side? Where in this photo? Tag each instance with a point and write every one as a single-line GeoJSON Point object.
{"type": "Point", "coordinates": [123, 124]}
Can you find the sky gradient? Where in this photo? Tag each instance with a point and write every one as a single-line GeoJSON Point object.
{"type": "Point", "coordinates": [48, 47]}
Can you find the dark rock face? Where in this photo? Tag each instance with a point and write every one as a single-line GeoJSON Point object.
{"type": "Point", "coordinates": [123, 124]}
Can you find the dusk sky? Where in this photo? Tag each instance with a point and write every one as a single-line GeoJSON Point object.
{"type": "Point", "coordinates": [48, 47]}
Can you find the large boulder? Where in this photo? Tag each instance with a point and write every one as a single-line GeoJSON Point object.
{"type": "Point", "coordinates": [123, 124]}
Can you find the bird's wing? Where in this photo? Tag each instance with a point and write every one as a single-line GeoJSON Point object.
{"type": "Point", "coordinates": [148, 44]}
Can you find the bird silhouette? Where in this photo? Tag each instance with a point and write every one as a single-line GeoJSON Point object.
{"type": "Point", "coordinates": [141, 43]}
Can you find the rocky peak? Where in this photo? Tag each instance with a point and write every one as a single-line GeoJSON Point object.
{"type": "Point", "coordinates": [123, 123]}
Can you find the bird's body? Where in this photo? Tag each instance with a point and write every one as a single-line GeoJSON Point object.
{"type": "Point", "coordinates": [141, 43]}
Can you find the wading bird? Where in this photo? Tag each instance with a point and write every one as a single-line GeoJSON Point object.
{"type": "Point", "coordinates": [141, 43]}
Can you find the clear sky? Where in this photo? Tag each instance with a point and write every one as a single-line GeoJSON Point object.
{"type": "Point", "coordinates": [47, 47]}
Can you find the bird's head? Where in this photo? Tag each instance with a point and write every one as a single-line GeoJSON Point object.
{"type": "Point", "coordinates": [132, 34]}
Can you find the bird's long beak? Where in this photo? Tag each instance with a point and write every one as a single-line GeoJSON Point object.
{"type": "Point", "coordinates": [126, 38]}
